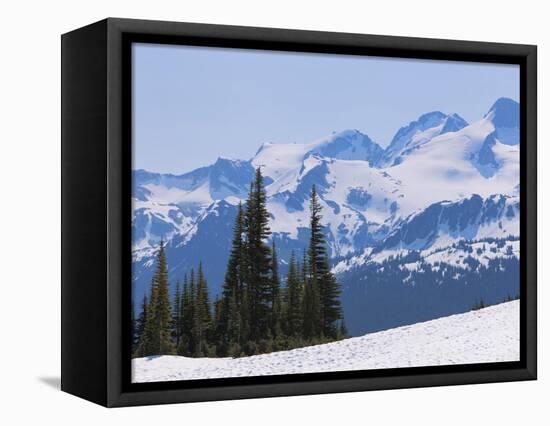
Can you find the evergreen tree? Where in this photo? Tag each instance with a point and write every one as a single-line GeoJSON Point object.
{"type": "Point", "coordinates": [217, 332]}
{"type": "Point", "coordinates": [342, 330]}
{"type": "Point", "coordinates": [176, 317]}
{"type": "Point", "coordinates": [244, 314]}
{"type": "Point", "coordinates": [293, 318]}
{"type": "Point", "coordinates": [331, 306]}
{"type": "Point", "coordinates": [187, 342]}
{"type": "Point", "coordinates": [182, 297]}
{"type": "Point", "coordinates": [323, 282]}
{"type": "Point", "coordinates": [233, 282]}
{"type": "Point", "coordinates": [202, 317]}
{"type": "Point", "coordinates": [158, 327]}
{"type": "Point", "coordinates": [317, 252]}
{"type": "Point", "coordinates": [203, 297]}
{"type": "Point", "coordinates": [140, 327]}
{"type": "Point", "coordinates": [193, 310]}
{"type": "Point", "coordinates": [145, 344]}
{"type": "Point", "coordinates": [276, 302]}
{"type": "Point", "coordinates": [184, 309]}
{"type": "Point", "coordinates": [258, 276]}
{"type": "Point", "coordinates": [312, 271]}
{"type": "Point", "coordinates": [234, 335]}
{"type": "Point", "coordinates": [303, 270]}
{"type": "Point", "coordinates": [311, 325]}
{"type": "Point", "coordinates": [234, 277]}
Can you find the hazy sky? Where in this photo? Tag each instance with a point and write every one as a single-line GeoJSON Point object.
{"type": "Point", "coordinates": [192, 105]}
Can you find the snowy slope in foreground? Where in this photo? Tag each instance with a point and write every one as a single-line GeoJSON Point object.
{"type": "Point", "coordinates": [487, 335]}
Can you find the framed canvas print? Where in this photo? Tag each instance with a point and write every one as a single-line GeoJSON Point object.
{"type": "Point", "coordinates": [253, 212]}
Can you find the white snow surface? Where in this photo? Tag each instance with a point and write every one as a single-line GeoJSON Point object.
{"type": "Point", "coordinates": [486, 335]}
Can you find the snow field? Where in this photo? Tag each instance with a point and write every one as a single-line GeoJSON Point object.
{"type": "Point", "coordinates": [486, 335]}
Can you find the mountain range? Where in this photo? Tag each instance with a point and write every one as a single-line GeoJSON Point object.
{"type": "Point", "coordinates": [439, 182]}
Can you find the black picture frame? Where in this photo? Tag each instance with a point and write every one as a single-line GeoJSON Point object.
{"type": "Point", "coordinates": [96, 185]}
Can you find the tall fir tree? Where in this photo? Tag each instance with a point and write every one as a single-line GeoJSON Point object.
{"type": "Point", "coordinates": [258, 276]}
{"type": "Point", "coordinates": [276, 300]}
{"type": "Point", "coordinates": [158, 327]}
{"type": "Point", "coordinates": [233, 282]}
{"type": "Point", "coordinates": [234, 335]}
{"type": "Point", "coordinates": [234, 277]}
{"type": "Point", "coordinates": [293, 317]}
{"type": "Point", "coordinates": [331, 306]}
{"type": "Point", "coordinates": [342, 330]}
{"type": "Point", "coordinates": [190, 322]}
{"type": "Point", "coordinates": [217, 334]}
{"type": "Point", "coordinates": [184, 303]}
{"type": "Point", "coordinates": [244, 314]}
{"type": "Point", "coordinates": [312, 270]}
{"type": "Point", "coordinates": [145, 346]}
{"type": "Point", "coordinates": [202, 317]}
{"type": "Point", "coordinates": [303, 269]}
{"type": "Point", "coordinates": [182, 310]}
{"type": "Point", "coordinates": [186, 346]}
{"type": "Point", "coordinates": [323, 281]}
{"type": "Point", "coordinates": [311, 324]}
{"type": "Point", "coordinates": [140, 327]}
{"type": "Point", "coordinates": [317, 252]}
{"type": "Point", "coordinates": [176, 315]}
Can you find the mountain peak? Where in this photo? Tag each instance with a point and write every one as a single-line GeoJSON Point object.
{"type": "Point", "coordinates": [221, 161]}
{"type": "Point", "coordinates": [347, 133]}
{"type": "Point", "coordinates": [351, 144]}
{"type": "Point", "coordinates": [424, 122]}
{"type": "Point", "coordinates": [427, 126]}
{"type": "Point", "coordinates": [504, 113]}
{"type": "Point", "coordinates": [348, 144]}
{"type": "Point", "coordinates": [430, 117]}
{"type": "Point", "coordinates": [453, 123]}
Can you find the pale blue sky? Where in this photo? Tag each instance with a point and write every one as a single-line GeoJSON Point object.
{"type": "Point", "coordinates": [192, 105]}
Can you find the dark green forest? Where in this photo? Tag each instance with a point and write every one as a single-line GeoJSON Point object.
{"type": "Point", "coordinates": [256, 312]}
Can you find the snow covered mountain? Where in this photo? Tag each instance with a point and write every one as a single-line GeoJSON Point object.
{"type": "Point", "coordinates": [442, 223]}
{"type": "Point", "coordinates": [167, 206]}
{"type": "Point", "coordinates": [439, 181]}
{"type": "Point", "coordinates": [418, 132]}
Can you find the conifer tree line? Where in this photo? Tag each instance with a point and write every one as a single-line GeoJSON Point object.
{"type": "Point", "coordinates": [256, 312]}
